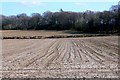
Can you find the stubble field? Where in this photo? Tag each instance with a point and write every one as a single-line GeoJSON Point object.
{"type": "Point", "coordinates": [61, 58]}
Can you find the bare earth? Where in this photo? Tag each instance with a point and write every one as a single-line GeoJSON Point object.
{"type": "Point", "coordinates": [44, 34]}
{"type": "Point", "coordinates": [11, 33]}
{"type": "Point", "coordinates": [61, 58]}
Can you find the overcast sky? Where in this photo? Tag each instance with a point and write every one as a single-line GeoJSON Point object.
{"type": "Point", "coordinates": [35, 6]}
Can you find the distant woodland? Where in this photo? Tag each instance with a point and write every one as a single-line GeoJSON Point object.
{"type": "Point", "coordinates": [88, 21]}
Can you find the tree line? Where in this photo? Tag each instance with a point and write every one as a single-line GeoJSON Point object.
{"type": "Point", "coordinates": [88, 21]}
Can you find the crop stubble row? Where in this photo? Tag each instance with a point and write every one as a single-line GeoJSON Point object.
{"type": "Point", "coordinates": [73, 57]}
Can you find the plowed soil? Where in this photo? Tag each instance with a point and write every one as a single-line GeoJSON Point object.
{"type": "Point", "coordinates": [60, 58]}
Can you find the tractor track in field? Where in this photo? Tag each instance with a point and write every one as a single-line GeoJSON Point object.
{"type": "Point", "coordinates": [73, 57]}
